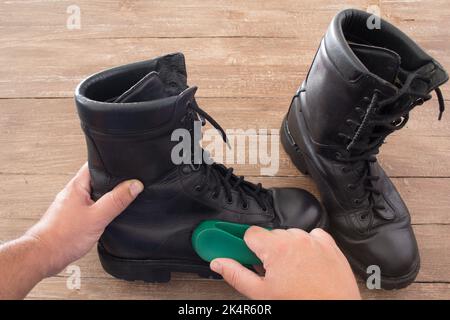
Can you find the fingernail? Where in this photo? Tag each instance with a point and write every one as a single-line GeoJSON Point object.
{"type": "Point", "coordinates": [136, 187]}
{"type": "Point", "coordinates": [216, 266]}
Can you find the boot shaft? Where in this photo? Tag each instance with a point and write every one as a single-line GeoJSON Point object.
{"type": "Point", "coordinates": [128, 114]}
{"type": "Point", "coordinates": [352, 63]}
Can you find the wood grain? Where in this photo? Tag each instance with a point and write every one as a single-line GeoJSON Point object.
{"type": "Point", "coordinates": [248, 58]}
{"type": "Point", "coordinates": [51, 142]}
{"type": "Point", "coordinates": [432, 281]}
{"type": "Point", "coordinates": [44, 20]}
{"type": "Point", "coordinates": [94, 288]}
{"type": "Point", "coordinates": [221, 67]}
{"type": "Point", "coordinates": [427, 198]}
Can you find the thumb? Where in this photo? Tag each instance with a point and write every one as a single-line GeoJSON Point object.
{"type": "Point", "coordinates": [239, 277]}
{"type": "Point", "coordinates": [114, 202]}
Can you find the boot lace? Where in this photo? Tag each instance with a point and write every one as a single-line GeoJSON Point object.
{"type": "Point", "coordinates": [374, 127]}
{"type": "Point", "coordinates": [217, 177]}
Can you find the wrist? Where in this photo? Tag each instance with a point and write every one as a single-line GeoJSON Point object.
{"type": "Point", "coordinates": [40, 255]}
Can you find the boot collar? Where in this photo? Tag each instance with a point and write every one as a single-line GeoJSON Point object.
{"type": "Point", "coordinates": [351, 25]}
{"type": "Point", "coordinates": [115, 100]}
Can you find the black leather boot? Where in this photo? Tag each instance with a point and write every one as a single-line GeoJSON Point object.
{"type": "Point", "coordinates": [128, 115]}
{"type": "Point", "coordinates": [360, 88]}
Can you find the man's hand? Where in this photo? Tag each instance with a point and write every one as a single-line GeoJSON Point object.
{"type": "Point", "coordinates": [73, 223]}
{"type": "Point", "coordinates": [68, 230]}
{"type": "Point", "coordinates": [298, 265]}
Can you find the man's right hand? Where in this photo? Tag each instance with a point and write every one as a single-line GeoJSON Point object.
{"type": "Point", "coordinates": [298, 265]}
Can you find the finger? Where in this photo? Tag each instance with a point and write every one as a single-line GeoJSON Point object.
{"type": "Point", "coordinates": [239, 277]}
{"type": "Point", "coordinates": [327, 240]}
{"type": "Point", "coordinates": [114, 202]}
{"type": "Point", "coordinates": [258, 240]}
{"type": "Point", "coordinates": [297, 232]}
{"type": "Point", "coordinates": [323, 237]}
{"type": "Point", "coordinates": [278, 231]}
{"type": "Point", "coordinates": [82, 178]}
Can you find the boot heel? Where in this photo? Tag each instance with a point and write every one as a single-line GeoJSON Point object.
{"type": "Point", "coordinates": [132, 270]}
{"type": "Point", "coordinates": [292, 149]}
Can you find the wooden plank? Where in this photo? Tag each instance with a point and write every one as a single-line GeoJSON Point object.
{"type": "Point", "coordinates": [433, 241]}
{"type": "Point", "coordinates": [232, 113]}
{"type": "Point", "coordinates": [427, 198]}
{"type": "Point", "coordinates": [416, 291]}
{"type": "Point", "coordinates": [267, 113]}
{"type": "Point", "coordinates": [28, 196]}
{"type": "Point", "coordinates": [93, 288]}
{"type": "Point", "coordinates": [248, 57]}
{"type": "Point", "coordinates": [43, 136]}
{"type": "Point", "coordinates": [109, 288]}
{"type": "Point", "coordinates": [432, 281]}
{"type": "Point", "coordinates": [424, 27]}
{"type": "Point", "coordinates": [221, 67]}
{"type": "Point", "coordinates": [44, 20]}
{"type": "Point", "coordinates": [57, 68]}
{"type": "Point", "coordinates": [31, 156]}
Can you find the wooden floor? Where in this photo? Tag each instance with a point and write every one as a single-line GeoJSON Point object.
{"type": "Point", "coordinates": [248, 58]}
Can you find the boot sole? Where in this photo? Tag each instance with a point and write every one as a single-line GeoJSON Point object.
{"type": "Point", "coordinates": [300, 160]}
{"type": "Point", "coordinates": [154, 271]}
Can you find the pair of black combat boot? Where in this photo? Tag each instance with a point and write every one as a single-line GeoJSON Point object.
{"type": "Point", "coordinates": [360, 88]}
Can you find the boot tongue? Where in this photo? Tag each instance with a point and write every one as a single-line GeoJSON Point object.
{"type": "Point", "coordinates": [380, 61]}
{"type": "Point", "coordinates": [148, 88]}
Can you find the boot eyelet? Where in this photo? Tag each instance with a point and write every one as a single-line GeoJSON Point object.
{"type": "Point", "coordinates": [198, 188]}
{"type": "Point", "coordinates": [186, 170]}
{"type": "Point", "coordinates": [264, 209]}
{"type": "Point", "coordinates": [356, 201]}
{"type": "Point", "coordinates": [229, 200]}
{"type": "Point", "coordinates": [363, 217]}
{"type": "Point", "coordinates": [244, 206]}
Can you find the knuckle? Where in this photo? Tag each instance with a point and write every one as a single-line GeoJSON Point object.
{"type": "Point", "coordinates": [234, 279]}
{"type": "Point", "coordinates": [117, 201]}
{"type": "Point", "coordinates": [297, 233]}
{"type": "Point", "coordinates": [279, 232]}
{"type": "Point", "coordinates": [78, 187]}
{"type": "Point", "coordinates": [63, 195]}
{"type": "Point", "coordinates": [251, 233]}
{"type": "Point", "coordinates": [318, 231]}
{"type": "Point", "coordinates": [302, 239]}
{"type": "Point", "coordinates": [323, 234]}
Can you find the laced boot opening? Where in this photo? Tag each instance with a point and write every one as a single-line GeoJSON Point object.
{"type": "Point", "coordinates": [381, 118]}
{"type": "Point", "coordinates": [217, 177]}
